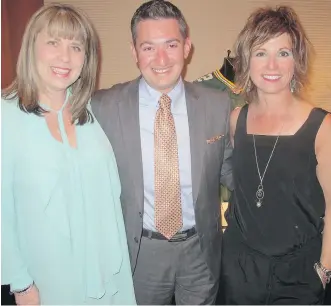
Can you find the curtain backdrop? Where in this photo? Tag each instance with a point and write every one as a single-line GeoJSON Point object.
{"type": "Point", "coordinates": [14, 17]}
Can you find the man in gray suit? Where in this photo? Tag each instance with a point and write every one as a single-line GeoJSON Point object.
{"type": "Point", "coordinates": [174, 242]}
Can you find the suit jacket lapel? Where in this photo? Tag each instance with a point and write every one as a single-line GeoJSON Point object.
{"type": "Point", "coordinates": [129, 113]}
{"type": "Point", "coordinates": [196, 120]}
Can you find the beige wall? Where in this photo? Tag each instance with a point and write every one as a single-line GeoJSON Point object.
{"type": "Point", "coordinates": [214, 25]}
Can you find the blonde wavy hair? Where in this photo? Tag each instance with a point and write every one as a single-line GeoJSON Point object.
{"type": "Point", "coordinates": [60, 21]}
{"type": "Point", "coordinates": [262, 25]}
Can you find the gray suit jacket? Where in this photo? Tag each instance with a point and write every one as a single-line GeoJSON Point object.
{"type": "Point", "coordinates": [117, 111]}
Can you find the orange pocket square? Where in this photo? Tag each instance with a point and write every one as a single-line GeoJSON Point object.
{"type": "Point", "coordinates": [213, 139]}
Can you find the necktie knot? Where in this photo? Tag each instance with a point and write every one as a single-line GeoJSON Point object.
{"type": "Point", "coordinates": [165, 102]}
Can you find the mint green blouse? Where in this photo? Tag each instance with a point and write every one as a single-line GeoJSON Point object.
{"type": "Point", "coordinates": [61, 218]}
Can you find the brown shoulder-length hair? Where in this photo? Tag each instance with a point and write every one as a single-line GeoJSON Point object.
{"type": "Point", "coordinates": [262, 25]}
{"type": "Point", "coordinates": [60, 21]}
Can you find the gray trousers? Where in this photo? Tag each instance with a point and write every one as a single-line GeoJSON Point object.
{"type": "Point", "coordinates": [165, 269]}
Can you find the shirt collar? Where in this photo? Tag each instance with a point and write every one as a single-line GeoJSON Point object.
{"type": "Point", "coordinates": [152, 96]}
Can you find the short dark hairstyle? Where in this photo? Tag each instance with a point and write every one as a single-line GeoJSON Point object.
{"type": "Point", "coordinates": [158, 9]}
{"type": "Point", "coordinates": [262, 25]}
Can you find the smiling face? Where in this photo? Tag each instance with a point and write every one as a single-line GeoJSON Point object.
{"type": "Point", "coordinates": [272, 65]}
{"type": "Point", "coordinates": [59, 61]}
{"type": "Point", "coordinates": [160, 52]}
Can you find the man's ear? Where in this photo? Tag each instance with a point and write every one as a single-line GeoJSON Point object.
{"type": "Point", "coordinates": [134, 52]}
{"type": "Point", "coordinates": [187, 47]}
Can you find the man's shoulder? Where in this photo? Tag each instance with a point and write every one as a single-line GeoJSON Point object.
{"type": "Point", "coordinates": [113, 91]}
{"type": "Point", "coordinates": [209, 93]}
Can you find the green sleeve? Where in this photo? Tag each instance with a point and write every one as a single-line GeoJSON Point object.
{"type": "Point", "coordinates": [210, 80]}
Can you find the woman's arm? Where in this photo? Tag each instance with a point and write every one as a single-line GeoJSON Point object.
{"type": "Point", "coordinates": [323, 154]}
{"type": "Point", "coordinates": [233, 123]}
{"type": "Point", "coordinates": [13, 269]}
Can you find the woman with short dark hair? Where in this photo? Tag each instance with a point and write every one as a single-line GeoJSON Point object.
{"type": "Point", "coordinates": [274, 249]}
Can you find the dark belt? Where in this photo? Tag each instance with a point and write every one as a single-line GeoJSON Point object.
{"type": "Point", "coordinates": [180, 236]}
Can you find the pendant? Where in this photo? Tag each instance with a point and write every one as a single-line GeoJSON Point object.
{"type": "Point", "coordinates": [259, 195]}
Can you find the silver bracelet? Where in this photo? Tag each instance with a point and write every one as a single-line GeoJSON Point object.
{"type": "Point", "coordinates": [325, 271]}
{"type": "Point", "coordinates": [24, 291]}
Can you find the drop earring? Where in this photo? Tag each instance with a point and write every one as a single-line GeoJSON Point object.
{"type": "Point", "coordinates": [249, 86]}
{"type": "Point", "coordinates": [293, 85]}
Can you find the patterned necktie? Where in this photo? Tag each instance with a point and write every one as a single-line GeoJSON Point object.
{"type": "Point", "coordinates": [167, 200]}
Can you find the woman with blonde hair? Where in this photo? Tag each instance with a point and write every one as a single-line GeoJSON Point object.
{"type": "Point", "coordinates": [63, 236]}
{"type": "Point", "coordinates": [277, 247]}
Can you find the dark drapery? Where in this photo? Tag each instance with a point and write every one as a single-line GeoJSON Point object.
{"type": "Point", "coordinates": [14, 17]}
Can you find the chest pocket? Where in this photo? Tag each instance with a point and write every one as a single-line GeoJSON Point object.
{"type": "Point", "coordinates": [214, 147]}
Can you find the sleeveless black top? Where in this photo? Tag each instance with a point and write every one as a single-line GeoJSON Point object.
{"type": "Point", "coordinates": [293, 206]}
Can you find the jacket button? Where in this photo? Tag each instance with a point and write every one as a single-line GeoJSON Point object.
{"type": "Point", "coordinates": [136, 239]}
{"type": "Point", "coordinates": [140, 214]}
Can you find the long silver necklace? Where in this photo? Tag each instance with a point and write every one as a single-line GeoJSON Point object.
{"type": "Point", "coordinates": [260, 191]}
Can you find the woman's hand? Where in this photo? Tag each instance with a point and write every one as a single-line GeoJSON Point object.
{"type": "Point", "coordinates": [31, 297]}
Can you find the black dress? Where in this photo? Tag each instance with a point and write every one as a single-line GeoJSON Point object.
{"type": "Point", "coordinates": [269, 251]}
